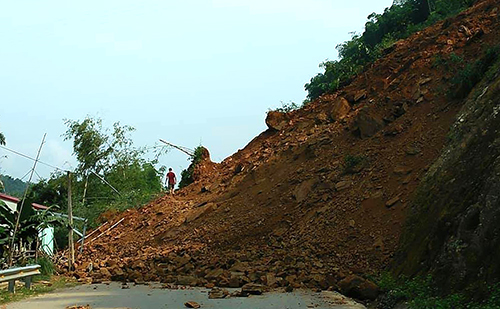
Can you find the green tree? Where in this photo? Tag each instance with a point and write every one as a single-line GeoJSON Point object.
{"type": "Point", "coordinates": [51, 192]}
{"type": "Point", "coordinates": [107, 161]}
{"type": "Point", "coordinates": [2, 139]}
{"type": "Point", "coordinates": [93, 145]}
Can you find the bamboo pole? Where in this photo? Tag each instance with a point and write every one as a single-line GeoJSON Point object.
{"type": "Point", "coordinates": [85, 188]}
{"type": "Point", "coordinates": [83, 237]}
{"type": "Point", "coordinates": [96, 230]}
{"type": "Point", "coordinates": [109, 229]}
{"type": "Point", "coordinates": [70, 218]}
{"type": "Point", "coordinates": [20, 210]}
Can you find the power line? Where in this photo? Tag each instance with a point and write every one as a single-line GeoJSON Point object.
{"type": "Point", "coordinates": [55, 167]}
{"type": "Point", "coordinates": [32, 159]}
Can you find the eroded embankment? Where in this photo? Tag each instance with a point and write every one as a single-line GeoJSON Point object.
{"type": "Point", "coordinates": [320, 195]}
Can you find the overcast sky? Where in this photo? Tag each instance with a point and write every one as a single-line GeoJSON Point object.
{"type": "Point", "coordinates": [189, 72]}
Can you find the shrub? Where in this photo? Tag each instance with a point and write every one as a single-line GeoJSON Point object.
{"type": "Point", "coordinates": [353, 164]}
{"type": "Point", "coordinates": [473, 73]}
{"type": "Point", "coordinates": [47, 266]}
{"type": "Point", "coordinates": [422, 293]}
{"type": "Point", "coordinates": [187, 174]}
{"type": "Point", "coordinates": [287, 107]}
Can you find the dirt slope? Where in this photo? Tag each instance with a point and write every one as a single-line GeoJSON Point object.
{"type": "Point", "coordinates": [292, 208]}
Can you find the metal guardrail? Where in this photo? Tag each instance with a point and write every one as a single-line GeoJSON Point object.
{"type": "Point", "coordinates": [25, 273]}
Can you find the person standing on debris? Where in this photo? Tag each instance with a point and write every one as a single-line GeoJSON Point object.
{"type": "Point", "coordinates": [171, 181]}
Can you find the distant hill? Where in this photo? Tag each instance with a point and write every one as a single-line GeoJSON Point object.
{"type": "Point", "coordinates": [14, 187]}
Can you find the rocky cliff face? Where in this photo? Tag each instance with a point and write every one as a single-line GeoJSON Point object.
{"type": "Point", "coordinates": [454, 229]}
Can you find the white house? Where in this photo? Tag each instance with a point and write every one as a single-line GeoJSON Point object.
{"type": "Point", "coordinates": [46, 235]}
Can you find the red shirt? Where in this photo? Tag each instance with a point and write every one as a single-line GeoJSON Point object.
{"type": "Point", "coordinates": [171, 178]}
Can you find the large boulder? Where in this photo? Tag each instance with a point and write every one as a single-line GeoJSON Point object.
{"type": "Point", "coordinates": [277, 120]}
{"type": "Point", "coordinates": [367, 124]}
{"type": "Point", "coordinates": [359, 288]}
{"type": "Point", "coordinates": [338, 109]}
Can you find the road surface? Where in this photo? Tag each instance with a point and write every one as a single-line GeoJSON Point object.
{"type": "Point", "coordinates": [153, 296]}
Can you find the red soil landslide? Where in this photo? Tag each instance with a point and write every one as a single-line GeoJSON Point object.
{"type": "Point", "coordinates": [287, 210]}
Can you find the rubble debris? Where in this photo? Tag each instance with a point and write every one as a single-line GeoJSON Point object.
{"type": "Point", "coordinates": [217, 293]}
{"type": "Point", "coordinates": [359, 288]}
{"type": "Point", "coordinates": [281, 212]}
{"type": "Point", "coordinates": [192, 304]}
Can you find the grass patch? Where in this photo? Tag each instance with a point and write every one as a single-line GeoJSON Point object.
{"type": "Point", "coordinates": [473, 73]}
{"type": "Point", "coordinates": [46, 266]}
{"type": "Point", "coordinates": [37, 288]}
{"type": "Point", "coordinates": [354, 164]}
{"type": "Point", "coordinates": [422, 293]}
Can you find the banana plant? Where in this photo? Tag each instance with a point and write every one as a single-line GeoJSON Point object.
{"type": "Point", "coordinates": [6, 222]}
{"type": "Point", "coordinates": [30, 222]}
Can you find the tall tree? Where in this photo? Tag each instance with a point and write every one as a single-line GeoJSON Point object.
{"type": "Point", "coordinates": [109, 153]}
{"type": "Point", "coordinates": [93, 145]}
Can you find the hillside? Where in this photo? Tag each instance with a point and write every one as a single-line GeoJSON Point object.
{"type": "Point", "coordinates": [14, 187]}
{"type": "Point", "coordinates": [324, 192]}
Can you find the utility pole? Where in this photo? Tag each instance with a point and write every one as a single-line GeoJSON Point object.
{"type": "Point", "coordinates": [71, 261]}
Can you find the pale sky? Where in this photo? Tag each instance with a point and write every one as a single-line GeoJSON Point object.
{"type": "Point", "coordinates": [189, 72]}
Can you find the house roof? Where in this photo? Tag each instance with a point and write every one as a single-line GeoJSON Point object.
{"type": "Point", "coordinates": [12, 199]}
{"type": "Point", "coordinates": [39, 207]}
{"type": "Point", "coordinates": [9, 198]}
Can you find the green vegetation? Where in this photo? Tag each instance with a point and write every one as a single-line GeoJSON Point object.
{"type": "Point", "coordinates": [47, 266]}
{"type": "Point", "coordinates": [36, 289]}
{"type": "Point", "coordinates": [287, 107]}
{"type": "Point", "coordinates": [187, 174]}
{"type": "Point", "coordinates": [472, 73]}
{"type": "Point", "coordinates": [2, 139]}
{"type": "Point", "coordinates": [399, 21]}
{"type": "Point", "coordinates": [30, 222]}
{"type": "Point", "coordinates": [353, 164]}
{"type": "Point", "coordinates": [421, 293]}
{"type": "Point", "coordinates": [112, 175]}
{"type": "Point", "coordinates": [107, 161]}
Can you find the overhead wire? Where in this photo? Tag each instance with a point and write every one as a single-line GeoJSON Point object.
{"type": "Point", "coordinates": [32, 159]}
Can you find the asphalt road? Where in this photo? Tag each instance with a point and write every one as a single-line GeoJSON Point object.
{"type": "Point", "coordinates": [105, 296]}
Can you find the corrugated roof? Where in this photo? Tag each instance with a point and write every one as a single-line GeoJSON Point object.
{"type": "Point", "coordinates": [9, 198]}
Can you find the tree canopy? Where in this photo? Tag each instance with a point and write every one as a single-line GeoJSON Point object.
{"type": "Point", "coordinates": [107, 161]}
{"type": "Point", "coordinates": [93, 145]}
